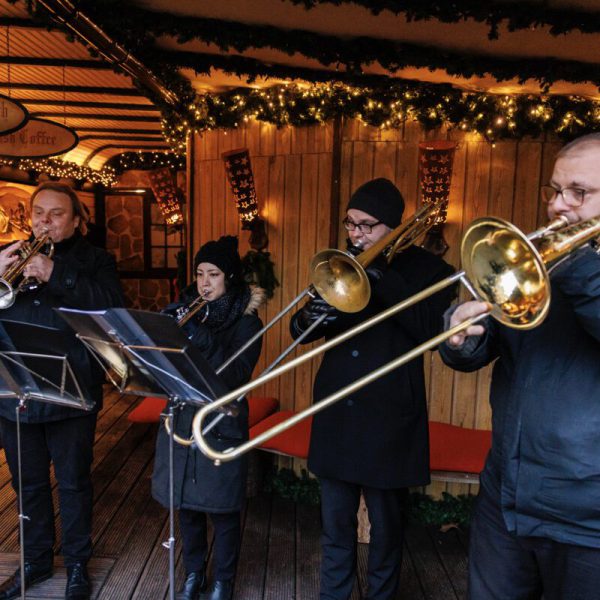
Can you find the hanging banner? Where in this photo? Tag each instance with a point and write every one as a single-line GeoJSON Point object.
{"type": "Point", "coordinates": [13, 115]}
{"type": "Point", "coordinates": [39, 138]}
{"type": "Point", "coordinates": [165, 192]}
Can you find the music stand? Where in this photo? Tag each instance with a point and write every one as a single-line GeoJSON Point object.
{"type": "Point", "coordinates": [151, 355]}
{"type": "Point", "coordinates": [28, 371]}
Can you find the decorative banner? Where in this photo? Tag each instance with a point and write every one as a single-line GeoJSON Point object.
{"type": "Point", "coordinates": [435, 174]}
{"type": "Point", "coordinates": [38, 138]}
{"type": "Point", "coordinates": [239, 173]}
{"type": "Point", "coordinates": [163, 186]}
{"type": "Point", "coordinates": [13, 115]}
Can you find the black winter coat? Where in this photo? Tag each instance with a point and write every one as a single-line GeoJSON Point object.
{"type": "Point", "coordinates": [84, 277]}
{"type": "Point", "coordinates": [378, 436]}
{"type": "Point", "coordinates": [544, 464]}
{"type": "Point", "coordinates": [198, 483]}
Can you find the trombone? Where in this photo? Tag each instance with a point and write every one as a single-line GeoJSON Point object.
{"type": "Point", "coordinates": [501, 266]}
{"type": "Point", "coordinates": [8, 287]}
{"type": "Point", "coordinates": [341, 280]}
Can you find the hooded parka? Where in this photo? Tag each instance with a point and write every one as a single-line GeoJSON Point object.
{"type": "Point", "coordinates": [198, 484]}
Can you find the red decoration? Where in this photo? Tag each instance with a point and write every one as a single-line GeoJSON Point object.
{"type": "Point", "coordinates": [435, 174]}
{"type": "Point", "coordinates": [163, 186]}
{"type": "Point", "coordinates": [241, 180]}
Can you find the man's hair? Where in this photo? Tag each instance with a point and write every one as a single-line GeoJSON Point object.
{"type": "Point", "coordinates": [76, 203]}
{"type": "Point", "coordinates": [591, 139]}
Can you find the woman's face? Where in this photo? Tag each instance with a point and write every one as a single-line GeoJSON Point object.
{"type": "Point", "coordinates": [210, 281]}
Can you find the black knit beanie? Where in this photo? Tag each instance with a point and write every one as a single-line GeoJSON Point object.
{"type": "Point", "coordinates": [223, 254]}
{"type": "Point", "coordinates": [381, 199]}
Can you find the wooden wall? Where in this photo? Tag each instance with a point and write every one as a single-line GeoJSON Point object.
{"type": "Point", "coordinates": [294, 170]}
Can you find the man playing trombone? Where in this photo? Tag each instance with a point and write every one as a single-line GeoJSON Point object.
{"type": "Point", "coordinates": [376, 440]}
{"type": "Point", "coordinates": [77, 276]}
{"type": "Point", "coordinates": [536, 527]}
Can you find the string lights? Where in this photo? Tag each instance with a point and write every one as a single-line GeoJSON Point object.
{"type": "Point", "coordinates": [491, 115]}
{"type": "Point", "coordinates": [62, 170]}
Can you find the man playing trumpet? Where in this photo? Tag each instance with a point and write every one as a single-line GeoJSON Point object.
{"type": "Point", "coordinates": [81, 276]}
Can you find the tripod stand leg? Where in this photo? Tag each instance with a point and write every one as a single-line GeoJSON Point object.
{"type": "Point", "coordinates": [22, 517]}
{"type": "Point", "coordinates": [170, 543]}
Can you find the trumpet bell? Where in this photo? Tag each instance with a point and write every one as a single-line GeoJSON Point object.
{"type": "Point", "coordinates": [340, 280]}
{"type": "Point", "coordinates": [507, 271]}
{"type": "Point", "coordinates": [7, 294]}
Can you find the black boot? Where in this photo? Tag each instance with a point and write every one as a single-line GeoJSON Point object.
{"type": "Point", "coordinates": [195, 583]}
{"type": "Point", "coordinates": [221, 589]}
{"type": "Point", "coordinates": [78, 583]}
{"type": "Point", "coordinates": [11, 588]}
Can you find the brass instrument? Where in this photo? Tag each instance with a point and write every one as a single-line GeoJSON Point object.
{"type": "Point", "coordinates": [342, 282]}
{"type": "Point", "coordinates": [9, 288]}
{"type": "Point", "coordinates": [192, 309]}
{"type": "Point", "coordinates": [501, 266]}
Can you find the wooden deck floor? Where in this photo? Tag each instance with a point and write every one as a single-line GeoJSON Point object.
{"type": "Point", "coordinates": [280, 545]}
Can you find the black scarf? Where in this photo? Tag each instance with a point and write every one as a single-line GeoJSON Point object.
{"type": "Point", "coordinates": [227, 309]}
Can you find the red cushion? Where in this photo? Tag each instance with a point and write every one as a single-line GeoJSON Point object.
{"type": "Point", "coordinates": [260, 408]}
{"type": "Point", "coordinates": [148, 410]}
{"type": "Point", "coordinates": [459, 449]}
{"type": "Point", "coordinates": [293, 441]}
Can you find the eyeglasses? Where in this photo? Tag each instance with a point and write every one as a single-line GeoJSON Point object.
{"type": "Point", "coordinates": [573, 197]}
{"type": "Point", "coordinates": [362, 227]}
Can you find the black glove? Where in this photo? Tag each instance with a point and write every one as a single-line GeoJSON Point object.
{"type": "Point", "coordinates": [310, 312]}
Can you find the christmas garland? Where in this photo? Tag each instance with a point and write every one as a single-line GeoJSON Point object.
{"type": "Point", "coordinates": [493, 116]}
{"type": "Point", "coordinates": [518, 15]}
{"type": "Point", "coordinates": [138, 30]}
{"type": "Point", "coordinates": [62, 170]}
{"type": "Point", "coordinates": [145, 161]}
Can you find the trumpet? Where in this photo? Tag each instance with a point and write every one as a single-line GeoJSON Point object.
{"type": "Point", "coordinates": [9, 288]}
{"type": "Point", "coordinates": [189, 311]}
{"type": "Point", "coordinates": [502, 266]}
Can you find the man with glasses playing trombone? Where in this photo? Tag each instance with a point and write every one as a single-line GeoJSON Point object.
{"type": "Point", "coordinates": [375, 440]}
{"type": "Point", "coordinates": [536, 527]}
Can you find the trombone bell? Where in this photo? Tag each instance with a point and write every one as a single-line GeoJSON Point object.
{"type": "Point", "coordinates": [340, 280]}
{"type": "Point", "coordinates": [506, 269]}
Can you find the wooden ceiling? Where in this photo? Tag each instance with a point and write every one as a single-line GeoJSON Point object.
{"type": "Point", "coordinates": [58, 79]}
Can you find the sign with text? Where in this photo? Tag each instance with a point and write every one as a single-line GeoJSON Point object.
{"type": "Point", "coordinates": [39, 138]}
{"type": "Point", "coordinates": [13, 115]}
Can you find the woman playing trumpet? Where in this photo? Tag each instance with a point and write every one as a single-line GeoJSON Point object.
{"type": "Point", "coordinates": [219, 328]}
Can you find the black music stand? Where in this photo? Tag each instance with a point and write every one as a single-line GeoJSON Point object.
{"type": "Point", "coordinates": [29, 371]}
{"type": "Point", "coordinates": [149, 354]}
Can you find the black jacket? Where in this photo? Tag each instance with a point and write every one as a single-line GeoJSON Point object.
{"type": "Point", "coordinates": [198, 483]}
{"type": "Point", "coordinates": [544, 464]}
{"type": "Point", "coordinates": [83, 277]}
{"type": "Point", "coordinates": [378, 436]}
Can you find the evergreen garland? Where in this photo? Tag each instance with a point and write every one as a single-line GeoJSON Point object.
{"type": "Point", "coordinates": [138, 30]}
{"type": "Point", "coordinates": [518, 15]}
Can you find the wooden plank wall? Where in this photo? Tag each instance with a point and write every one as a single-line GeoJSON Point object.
{"type": "Point", "coordinates": [292, 174]}
{"type": "Point", "coordinates": [292, 171]}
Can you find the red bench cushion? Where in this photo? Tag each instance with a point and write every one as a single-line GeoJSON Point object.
{"type": "Point", "coordinates": [149, 409]}
{"type": "Point", "coordinates": [294, 441]}
{"type": "Point", "coordinates": [454, 448]}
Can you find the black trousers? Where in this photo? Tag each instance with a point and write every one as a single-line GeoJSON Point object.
{"type": "Point", "coordinates": [194, 535]}
{"type": "Point", "coordinates": [339, 506]}
{"type": "Point", "coordinates": [68, 444]}
{"type": "Point", "coordinates": [503, 566]}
